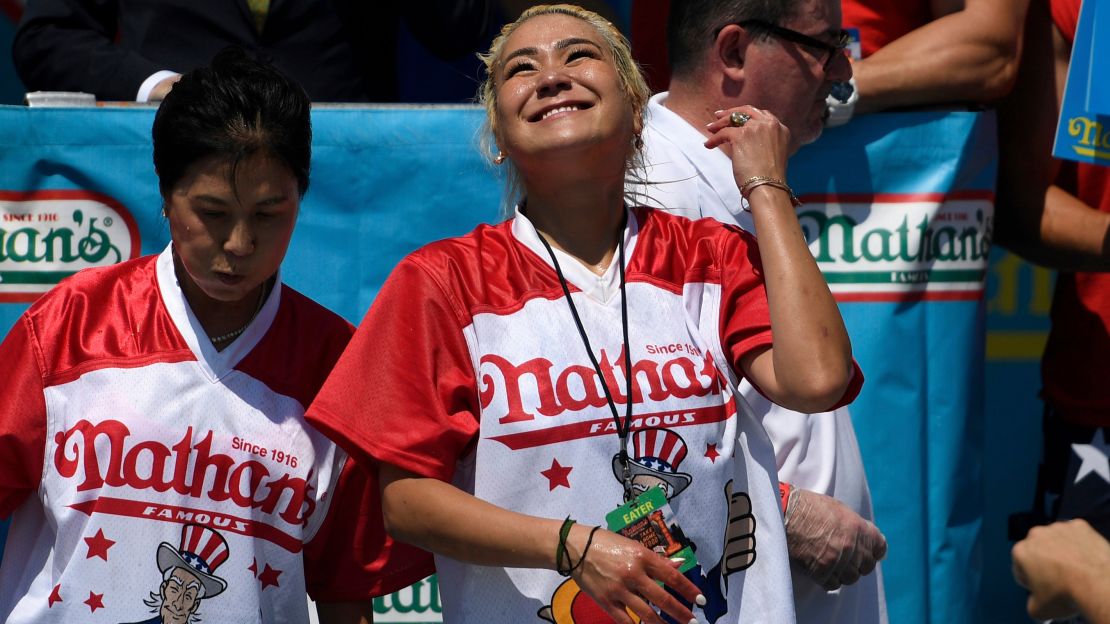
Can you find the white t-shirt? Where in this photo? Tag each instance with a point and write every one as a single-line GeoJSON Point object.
{"type": "Point", "coordinates": [469, 369]}
{"type": "Point", "coordinates": [816, 452]}
{"type": "Point", "coordinates": [148, 472]}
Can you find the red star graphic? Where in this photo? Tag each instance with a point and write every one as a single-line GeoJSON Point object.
{"type": "Point", "coordinates": [556, 475]}
{"type": "Point", "coordinates": [56, 595]}
{"type": "Point", "coordinates": [98, 545]}
{"type": "Point", "coordinates": [711, 453]}
{"type": "Point", "coordinates": [269, 577]}
{"type": "Point", "coordinates": [254, 567]}
{"type": "Point", "coordinates": [95, 601]}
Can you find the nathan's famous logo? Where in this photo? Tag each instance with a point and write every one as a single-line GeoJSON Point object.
{"type": "Point", "coordinates": [46, 236]}
{"type": "Point", "coordinates": [536, 387]}
{"type": "Point", "coordinates": [417, 603]}
{"type": "Point", "coordinates": [105, 454]}
{"type": "Point", "coordinates": [901, 247]}
{"type": "Point", "coordinates": [1093, 138]}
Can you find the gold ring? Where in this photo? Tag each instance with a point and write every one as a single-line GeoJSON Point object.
{"type": "Point", "coordinates": [737, 120]}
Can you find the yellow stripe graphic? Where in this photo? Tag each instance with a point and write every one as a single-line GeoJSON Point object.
{"type": "Point", "coordinates": [1015, 346]}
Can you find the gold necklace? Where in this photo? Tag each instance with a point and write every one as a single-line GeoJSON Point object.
{"type": "Point", "coordinates": [231, 335]}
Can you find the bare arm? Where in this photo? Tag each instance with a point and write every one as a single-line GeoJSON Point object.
{"type": "Point", "coordinates": [810, 364]}
{"type": "Point", "coordinates": [969, 53]}
{"type": "Point", "coordinates": [1035, 218]}
{"type": "Point", "coordinates": [618, 573]}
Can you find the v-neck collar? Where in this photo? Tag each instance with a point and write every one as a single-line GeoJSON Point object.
{"type": "Point", "coordinates": [602, 287]}
{"type": "Point", "coordinates": [215, 364]}
{"type": "Point", "coordinates": [711, 164]}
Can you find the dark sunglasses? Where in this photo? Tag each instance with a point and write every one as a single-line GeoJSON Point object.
{"type": "Point", "coordinates": [831, 50]}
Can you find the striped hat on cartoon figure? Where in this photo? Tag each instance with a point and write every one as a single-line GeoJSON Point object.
{"type": "Point", "coordinates": [654, 458]}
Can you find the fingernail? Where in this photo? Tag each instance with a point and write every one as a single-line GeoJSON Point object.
{"type": "Point", "coordinates": [678, 559]}
{"type": "Point", "coordinates": [719, 113]}
{"type": "Point", "coordinates": [693, 620]}
{"type": "Point", "coordinates": [700, 600]}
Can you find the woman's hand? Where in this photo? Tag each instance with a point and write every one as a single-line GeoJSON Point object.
{"type": "Point", "coordinates": [618, 573]}
{"type": "Point", "coordinates": [759, 147]}
{"type": "Point", "coordinates": [621, 574]}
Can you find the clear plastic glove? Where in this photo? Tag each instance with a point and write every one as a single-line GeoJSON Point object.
{"type": "Point", "coordinates": [834, 545]}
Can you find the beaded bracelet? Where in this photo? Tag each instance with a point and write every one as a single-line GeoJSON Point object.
{"type": "Point", "coordinates": [561, 549]}
{"type": "Point", "coordinates": [756, 181]}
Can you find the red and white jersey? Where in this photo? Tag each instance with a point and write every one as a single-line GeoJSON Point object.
{"type": "Point", "coordinates": [152, 478]}
{"type": "Point", "coordinates": [469, 369]}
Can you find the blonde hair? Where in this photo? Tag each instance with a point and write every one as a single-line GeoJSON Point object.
{"type": "Point", "coordinates": [632, 81]}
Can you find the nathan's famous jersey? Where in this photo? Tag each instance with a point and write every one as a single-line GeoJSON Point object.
{"type": "Point", "coordinates": [469, 369]}
{"type": "Point", "coordinates": [153, 478]}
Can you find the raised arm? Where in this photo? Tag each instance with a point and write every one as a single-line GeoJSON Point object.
{"type": "Point", "coordinates": [809, 367]}
{"type": "Point", "coordinates": [968, 53]}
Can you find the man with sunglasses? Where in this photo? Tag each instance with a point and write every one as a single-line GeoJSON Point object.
{"type": "Point", "coordinates": [763, 60]}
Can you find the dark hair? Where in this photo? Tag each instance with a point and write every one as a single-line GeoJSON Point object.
{"type": "Point", "coordinates": [233, 108]}
{"type": "Point", "coordinates": [692, 25]}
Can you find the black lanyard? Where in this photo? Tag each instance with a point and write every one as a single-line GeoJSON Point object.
{"type": "Point", "coordinates": [622, 430]}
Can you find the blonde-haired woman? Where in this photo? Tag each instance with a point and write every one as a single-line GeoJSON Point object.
{"type": "Point", "coordinates": [516, 385]}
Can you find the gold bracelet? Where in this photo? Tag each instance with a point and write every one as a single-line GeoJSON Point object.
{"type": "Point", "coordinates": [744, 185]}
{"type": "Point", "coordinates": [753, 183]}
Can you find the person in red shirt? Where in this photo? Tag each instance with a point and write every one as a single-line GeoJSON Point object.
{"type": "Point", "coordinates": [583, 353]}
{"type": "Point", "coordinates": [1057, 214]}
{"type": "Point", "coordinates": [154, 455]}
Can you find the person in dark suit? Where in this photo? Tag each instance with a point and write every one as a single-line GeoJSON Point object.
{"type": "Point", "coordinates": [338, 50]}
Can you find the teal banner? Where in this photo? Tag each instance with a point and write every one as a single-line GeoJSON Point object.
{"type": "Point", "coordinates": [898, 209]}
{"type": "Point", "coordinates": [899, 213]}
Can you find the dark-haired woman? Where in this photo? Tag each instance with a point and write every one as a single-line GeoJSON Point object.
{"type": "Point", "coordinates": [153, 450]}
{"type": "Point", "coordinates": [584, 355]}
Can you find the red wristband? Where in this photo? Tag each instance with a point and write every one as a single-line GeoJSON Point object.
{"type": "Point", "coordinates": [784, 494]}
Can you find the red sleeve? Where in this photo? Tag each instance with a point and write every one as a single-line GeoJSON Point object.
{"type": "Point", "coordinates": [745, 317]}
{"type": "Point", "coordinates": [853, 389]}
{"type": "Point", "coordinates": [22, 417]}
{"type": "Point", "coordinates": [1065, 14]}
{"type": "Point", "coordinates": [352, 557]}
{"type": "Point", "coordinates": [404, 391]}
